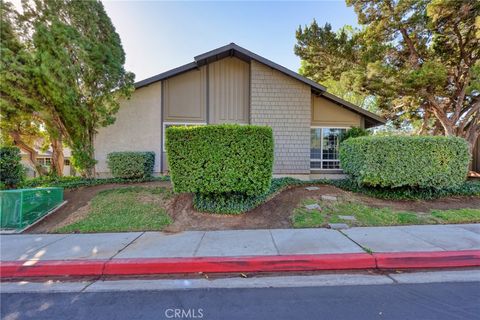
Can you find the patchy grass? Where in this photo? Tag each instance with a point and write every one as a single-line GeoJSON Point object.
{"type": "Point", "coordinates": [303, 218]}
{"type": "Point", "coordinates": [125, 209]}
{"type": "Point", "coordinates": [457, 216]}
{"type": "Point", "coordinates": [367, 216]}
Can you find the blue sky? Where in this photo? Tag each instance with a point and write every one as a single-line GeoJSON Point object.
{"type": "Point", "coordinates": [158, 36]}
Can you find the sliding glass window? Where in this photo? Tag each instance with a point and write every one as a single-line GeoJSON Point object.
{"type": "Point", "coordinates": [324, 144]}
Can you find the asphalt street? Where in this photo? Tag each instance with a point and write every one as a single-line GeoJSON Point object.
{"type": "Point", "coordinates": [392, 301]}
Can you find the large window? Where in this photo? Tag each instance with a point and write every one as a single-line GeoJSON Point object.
{"type": "Point", "coordinates": [177, 124]}
{"type": "Point", "coordinates": [324, 144]}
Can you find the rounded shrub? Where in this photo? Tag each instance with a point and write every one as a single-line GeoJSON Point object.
{"type": "Point", "coordinates": [354, 132]}
{"type": "Point", "coordinates": [11, 170]}
{"type": "Point", "coordinates": [414, 161]}
{"type": "Point", "coordinates": [131, 165]}
{"type": "Point", "coordinates": [216, 159]}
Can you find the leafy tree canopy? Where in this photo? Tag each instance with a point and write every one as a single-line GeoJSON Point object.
{"type": "Point", "coordinates": [74, 75]}
{"type": "Point", "coordinates": [418, 58]}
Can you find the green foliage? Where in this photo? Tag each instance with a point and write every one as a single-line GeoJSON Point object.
{"type": "Point", "coordinates": [240, 203]}
{"type": "Point", "coordinates": [125, 209]}
{"type": "Point", "coordinates": [131, 165]}
{"type": "Point", "coordinates": [218, 159]}
{"type": "Point", "coordinates": [418, 58]}
{"type": "Point", "coordinates": [467, 189]}
{"type": "Point", "coordinates": [78, 182]}
{"type": "Point", "coordinates": [366, 216]}
{"type": "Point", "coordinates": [414, 161]}
{"type": "Point", "coordinates": [235, 203]}
{"type": "Point", "coordinates": [354, 133]}
{"type": "Point", "coordinates": [63, 65]}
{"type": "Point", "coordinates": [466, 215]}
{"type": "Point", "coordinates": [11, 170]}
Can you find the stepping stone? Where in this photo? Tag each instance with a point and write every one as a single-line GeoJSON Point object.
{"type": "Point", "coordinates": [313, 207]}
{"type": "Point", "coordinates": [312, 188]}
{"type": "Point", "coordinates": [350, 218]}
{"type": "Point", "coordinates": [329, 198]}
{"type": "Point", "coordinates": [338, 226]}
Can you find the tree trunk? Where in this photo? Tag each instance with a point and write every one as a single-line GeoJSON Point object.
{"type": "Point", "coordinates": [57, 156]}
{"type": "Point", "coordinates": [91, 153]}
{"type": "Point", "coordinates": [32, 153]}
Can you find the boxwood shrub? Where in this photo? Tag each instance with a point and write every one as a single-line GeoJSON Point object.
{"type": "Point", "coordinates": [131, 165]}
{"type": "Point", "coordinates": [216, 159]}
{"type": "Point", "coordinates": [11, 170]}
{"type": "Point", "coordinates": [414, 161]}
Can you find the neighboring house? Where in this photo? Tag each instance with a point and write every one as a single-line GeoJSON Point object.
{"type": "Point", "coordinates": [45, 159]}
{"type": "Point", "coordinates": [233, 85]}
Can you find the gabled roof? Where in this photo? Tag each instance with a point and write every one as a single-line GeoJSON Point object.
{"type": "Point", "coordinates": [233, 50]}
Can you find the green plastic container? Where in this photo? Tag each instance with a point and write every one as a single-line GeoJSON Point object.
{"type": "Point", "coordinates": [20, 208]}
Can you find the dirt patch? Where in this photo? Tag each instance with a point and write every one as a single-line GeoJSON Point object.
{"type": "Point", "coordinates": [275, 213]}
{"type": "Point", "coordinates": [78, 200]}
{"type": "Point", "coordinates": [422, 206]}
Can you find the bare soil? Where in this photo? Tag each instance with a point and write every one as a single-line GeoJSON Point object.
{"type": "Point", "coordinates": [275, 213]}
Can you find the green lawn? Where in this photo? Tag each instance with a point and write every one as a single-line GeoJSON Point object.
{"type": "Point", "coordinates": [125, 209]}
{"type": "Point", "coordinates": [370, 216]}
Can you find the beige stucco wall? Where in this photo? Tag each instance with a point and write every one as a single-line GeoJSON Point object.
{"type": "Point", "coordinates": [284, 104]}
{"type": "Point", "coordinates": [229, 91]}
{"type": "Point", "coordinates": [329, 114]}
{"type": "Point", "coordinates": [186, 96]}
{"type": "Point", "coordinates": [137, 128]}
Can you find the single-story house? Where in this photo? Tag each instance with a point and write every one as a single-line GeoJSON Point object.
{"type": "Point", "coordinates": [233, 85]}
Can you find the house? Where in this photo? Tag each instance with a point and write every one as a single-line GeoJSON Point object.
{"type": "Point", "coordinates": [44, 158]}
{"type": "Point", "coordinates": [233, 85]}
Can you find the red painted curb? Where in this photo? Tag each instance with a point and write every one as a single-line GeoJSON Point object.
{"type": "Point", "coordinates": [240, 264]}
{"type": "Point", "coordinates": [421, 260]}
{"type": "Point", "coordinates": [401, 260]}
{"type": "Point", "coordinates": [51, 268]}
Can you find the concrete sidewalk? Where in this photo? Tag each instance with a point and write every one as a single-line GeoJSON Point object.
{"type": "Point", "coordinates": [239, 243]}
{"type": "Point", "coordinates": [270, 245]}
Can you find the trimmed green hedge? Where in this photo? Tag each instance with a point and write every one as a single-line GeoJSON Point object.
{"type": "Point", "coordinates": [11, 170]}
{"type": "Point", "coordinates": [131, 165]}
{"type": "Point", "coordinates": [414, 161]}
{"type": "Point", "coordinates": [217, 159]}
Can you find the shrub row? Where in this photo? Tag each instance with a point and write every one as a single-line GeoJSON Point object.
{"type": "Point", "coordinates": [399, 161]}
{"type": "Point", "coordinates": [77, 182]}
{"type": "Point", "coordinates": [131, 165]}
{"type": "Point", "coordinates": [11, 170]}
{"type": "Point", "coordinates": [218, 159]}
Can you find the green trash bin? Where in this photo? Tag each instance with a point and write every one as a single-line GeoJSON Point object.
{"type": "Point", "coordinates": [20, 208]}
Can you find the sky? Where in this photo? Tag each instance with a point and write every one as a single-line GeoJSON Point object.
{"type": "Point", "coordinates": [158, 36]}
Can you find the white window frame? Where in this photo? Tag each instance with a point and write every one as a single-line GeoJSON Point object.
{"type": "Point", "coordinates": [321, 148]}
{"type": "Point", "coordinates": [179, 124]}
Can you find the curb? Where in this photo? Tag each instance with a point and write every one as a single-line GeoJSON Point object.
{"type": "Point", "coordinates": [143, 266]}
{"type": "Point", "coordinates": [435, 259]}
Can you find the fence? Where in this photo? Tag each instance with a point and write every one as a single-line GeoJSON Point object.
{"type": "Point", "coordinates": [22, 207]}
